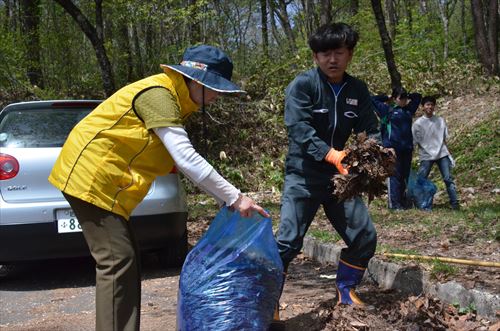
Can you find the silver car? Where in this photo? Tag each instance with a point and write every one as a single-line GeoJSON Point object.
{"type": "Point", "coordinates": [37, 223]}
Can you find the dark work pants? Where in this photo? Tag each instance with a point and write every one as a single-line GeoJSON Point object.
{"type": "Point", "coordinates": [299, 205]}
{"type": "Point", "coordinates": [397, 183]}
{"type": "Point", "coordinates": [115, 250]}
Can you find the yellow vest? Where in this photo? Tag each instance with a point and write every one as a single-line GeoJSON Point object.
{"type": "Point", "coordinates": [110, 159]}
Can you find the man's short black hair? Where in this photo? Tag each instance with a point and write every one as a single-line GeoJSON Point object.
{"type": "Point", "coordinates": [333, 36]}
{"type": "Point", "coordinates": [428, 98]}
{"type": "Point", "coordinates": [399, 92]}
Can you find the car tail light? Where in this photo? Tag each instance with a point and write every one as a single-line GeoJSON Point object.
{"type": "Point", "coordinates": [174, 170]}
{"type": "Point", "coordinates": [9, 167]}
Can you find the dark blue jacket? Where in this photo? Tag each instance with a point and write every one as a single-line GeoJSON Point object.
{"type": "Point", "coordinates": [317, 120]}
{"type": "Point", "coordinates": [396, 121]}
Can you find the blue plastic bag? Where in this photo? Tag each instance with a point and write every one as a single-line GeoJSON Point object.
{"type": "Point", "coordinates": [231, 279]}
{"type": "Point", "coordinates": [421, 191]}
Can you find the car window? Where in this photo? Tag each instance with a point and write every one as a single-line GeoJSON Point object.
{"type": "Point", "coordinates": [38, 128]}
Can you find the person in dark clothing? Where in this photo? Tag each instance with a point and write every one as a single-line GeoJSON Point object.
{"type": "Point", "coordinates": [396, 114]}
{"type": "Point", "coordinates": [323, 107]}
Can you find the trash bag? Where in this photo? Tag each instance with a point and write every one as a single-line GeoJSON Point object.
{"type": "Point", "coordinates": [421, 191]}
{"type": "Point", "coordinates": [231, 279]}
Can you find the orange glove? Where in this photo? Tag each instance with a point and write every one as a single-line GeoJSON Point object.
{"type": "Point", "coordinates": [335, 157]}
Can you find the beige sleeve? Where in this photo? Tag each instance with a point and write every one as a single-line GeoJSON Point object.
{"type": "Point", "coordinates": [158, 107]}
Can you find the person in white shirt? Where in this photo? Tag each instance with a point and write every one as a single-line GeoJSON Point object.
{"type": "Point", "coordinates": [429, 134]}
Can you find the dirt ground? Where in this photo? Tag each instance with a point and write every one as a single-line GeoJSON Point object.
{"type": "Point", "coordinates": [59, 296]}
{"type": "Point", "coordinates": [308, 301]}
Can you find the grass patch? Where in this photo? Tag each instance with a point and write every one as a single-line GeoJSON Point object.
{"type": "Point", "coordinates": [442, 270]}
{"type": "Point", "coordinates": [325, 236]}
{"type": "Point", "coordinates": [477, 157]}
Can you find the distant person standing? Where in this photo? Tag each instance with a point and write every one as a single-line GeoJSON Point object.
{"type": "Point", "coordinates": [396, 114]}
{"type": "Point", "coordinates": [430, 133]}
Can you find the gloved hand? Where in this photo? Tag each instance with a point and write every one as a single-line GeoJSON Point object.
{"type": "Point", "coordinates": [335, 157]}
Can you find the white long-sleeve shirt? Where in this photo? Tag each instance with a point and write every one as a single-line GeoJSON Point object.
{"type": "Point", "coordinates": [430, 134]}
{"type": "Point", "coordinates": [194, 166]}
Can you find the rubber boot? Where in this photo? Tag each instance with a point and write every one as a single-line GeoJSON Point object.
{"type": "Point", "coordinates": [277, 324]}
{"type": "Point", "coordinates": [348, 276]}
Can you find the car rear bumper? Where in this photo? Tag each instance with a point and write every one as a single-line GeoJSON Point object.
{"type": "Point", "coordinates": [26, 242]}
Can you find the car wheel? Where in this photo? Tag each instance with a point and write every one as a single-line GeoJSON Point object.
{"type": "Point", "coordinates": [174, 254]}
{"type": "Point", "coordinates": [6, 270]}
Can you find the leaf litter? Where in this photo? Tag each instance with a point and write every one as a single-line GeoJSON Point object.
{"type": "Point", "coordinates": [369, 165]}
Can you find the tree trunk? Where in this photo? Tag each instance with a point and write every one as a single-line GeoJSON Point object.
{"type": "Point", "coordinates": [386, 44]}
{"type": "Point", "coordinates": [94, 34]}
{"type": "Point", "coordinates": [446, 9]}
{"type": "Point", "coordinates": [353, 7]}
{"type": "Point", "coordinates": [149, 42]}
{"type": "Point", "coordinates": [139, 64]}
{"type": "Point", "coordinates": [446, 25]}
{"type": "Point", "coordinates": [6, 7]}
{"type": "Point", "coordinates": [285, 23]}
{"type": "Point", "coordinates": [391, 14]}
{"type": "Point", "coordinates": [423, 7]}
{"type": "Point", "coordinates": [463, 27]}
{"type": "Point", "coordinates": [326, 12]}
{"type": "Point", "coordinates": [195, 28]}
{"type": "Point", "coordinates": [409, 16]}
{"type": "Point", "coordinates": [493, 34]}
{"type": "Point", "coordinates": [308, 10]}
{"type": "Point", "coordinates": [30, 19]}
{"type": "Point", "coordinates": [264, 30]}
{"type": "Point", "coordinates": [124, 40]}
{"type": "Point", "coordinates": [274, 28]}
{"type": "Point", "coordinates": [486, 34]}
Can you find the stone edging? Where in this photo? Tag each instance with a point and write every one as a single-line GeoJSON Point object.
{"type": "Point", "coordinates": [410, 280]}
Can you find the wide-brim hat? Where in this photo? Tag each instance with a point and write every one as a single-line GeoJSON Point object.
{"type": "Point", "coordinates": [208, 66]}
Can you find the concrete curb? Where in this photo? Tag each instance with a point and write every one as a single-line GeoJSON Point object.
{"type": "Point", "coordinates": [411, 280]}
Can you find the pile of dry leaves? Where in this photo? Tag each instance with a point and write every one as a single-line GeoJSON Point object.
{"type": "Point", "coordinates": [415, 313]}
{"type": "Point", "coordinates": [369, 165]}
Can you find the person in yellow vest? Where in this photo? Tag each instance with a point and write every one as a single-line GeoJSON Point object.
{"type": "Point", "coordinates": [112, 156]}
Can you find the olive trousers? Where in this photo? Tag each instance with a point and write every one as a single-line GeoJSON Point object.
{"type": "Point", "coordinates": [115, 250]}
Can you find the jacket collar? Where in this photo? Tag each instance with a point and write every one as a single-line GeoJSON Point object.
{"type": "Point", "coordinates": [324, 78]}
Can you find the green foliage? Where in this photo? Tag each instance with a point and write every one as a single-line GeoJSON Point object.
{"type": "Point", "coordinates": [268, 77]}
{"type": "Point", "coordinates": [250, 131]}
{"type": "Point", "coordinates": [13, 78]}
{"type": "Point", "coordinates": [469, 309]}
{"type": "Point", "coordinates": [476, 153]}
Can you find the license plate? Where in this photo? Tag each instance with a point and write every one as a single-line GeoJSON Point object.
{"type": "Point", "coordinates": [67, 222]}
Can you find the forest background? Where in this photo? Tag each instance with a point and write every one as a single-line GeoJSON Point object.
{"type": "Point", "coordinates": [61, 49]}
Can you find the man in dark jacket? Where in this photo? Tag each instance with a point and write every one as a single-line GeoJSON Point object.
{"type": "Point", "coordinates": [396, 120]}
{"type": "Point", "coordinates": [323, 107]}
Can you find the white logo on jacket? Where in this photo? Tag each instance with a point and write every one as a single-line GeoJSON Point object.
{"type": "Point", "coordinates": [352, 102]}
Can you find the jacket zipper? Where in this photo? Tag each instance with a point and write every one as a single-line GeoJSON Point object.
{"type": "Point", "coordinates": [335, 110]}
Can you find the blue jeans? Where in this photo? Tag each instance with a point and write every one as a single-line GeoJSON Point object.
{"type": "Point", "coordinates": [444, 165]}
